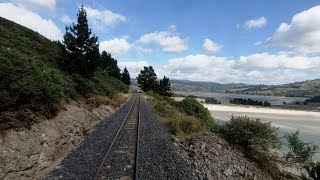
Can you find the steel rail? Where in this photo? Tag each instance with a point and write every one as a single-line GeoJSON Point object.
{"type": "Point", "coordinates": [136, 171]}
{"type": "Point", "coordinates": [114, 140]}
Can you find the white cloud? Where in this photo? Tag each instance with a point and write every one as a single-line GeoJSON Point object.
{"type": "Point", "coordinates": [263, 68]}
{"type": "Point", "coordinates": [31, 4]}
{"type": "Point", "coordinates": [255, 23]}
{"type": "Point", "coordinates": [211, 46]}
{"type": "Point", "coordinates": [133, 67]}
{"type": "Point", "coordinates": [301, 35]}
{"type": "Point", "coordinates": [116, 47]}
{"type": "Point", "coordinates": [278, 61]}
{"type": "Point", "coordinates": [104, 18]}
{"type": "Point", "coordinates": [66, 19]}
{"type": "Point", "coordinates": [145, 50]}
{"type": "Point", "coordinates": [168, 40]}
{"type": "Point", "coordinates": [201, 67]}
{"type": "Point", "coordinates": [32, 20]}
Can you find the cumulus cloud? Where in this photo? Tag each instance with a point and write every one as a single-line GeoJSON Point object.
{"type": "Point", "coordinates": [31, 4]}
{"type": "Point", "coordinates": [169, 41]}
{"type": "Point", "coordinates": [32, 20]}
{"type": "Point", "coordinates": [66, 19]}
{"type": "Point", "coordinates": [103, 18]}
{"type": "Point", "coordinates": [302, 34]}
{"type": "Point", "coordinates": [255, 23]}
{"type": "Point", "coordinates": [116, 47]}
{"type": "Point", "coordinates": [145, 50]}
{"type": "Point", "coordinates": [278, 61]}
{"type": "Point", "coordinates": [262, 68]}
{"type": "Point", "coordinates": [211, 46]}
{"type": "Point", "coordinates": [133, 67]}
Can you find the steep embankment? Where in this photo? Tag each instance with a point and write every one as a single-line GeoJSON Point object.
{"type": "Point", "coordinates": [33, 82]}
{"type": "Point", "coordinates": [32, 153]}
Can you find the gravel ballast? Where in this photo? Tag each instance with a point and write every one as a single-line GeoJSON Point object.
{"type": "Point", "coordinates": [158, 156]}
{"type": "Point", "coordinates": [83, 162]}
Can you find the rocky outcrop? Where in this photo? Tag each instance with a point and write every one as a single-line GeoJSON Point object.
{"type": "Point", "coordinates": [32, 153]}
{"type": "Point", "coordinates": [211, 157]}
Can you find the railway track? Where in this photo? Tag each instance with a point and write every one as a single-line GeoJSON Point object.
{"type": "Point", "coordinates": [121, 159]}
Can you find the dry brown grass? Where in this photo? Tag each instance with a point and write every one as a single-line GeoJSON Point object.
{"type": "Point", "coordinates": [97, 100]}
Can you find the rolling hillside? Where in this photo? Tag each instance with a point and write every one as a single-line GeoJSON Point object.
{"type": "Point", "coordinates": [297, 89]}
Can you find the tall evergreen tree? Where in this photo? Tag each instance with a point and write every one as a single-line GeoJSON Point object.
{"type": "Point", "coordinates": [83, 47]}
{"type": "Point", "coordinates": [147, 79]}
{"type": "Point", "coordinates": [110, 65]}
{"type": "Point", "coordinates": [125, 76]}
{"type": "Point", "coordinates": [165, 87]}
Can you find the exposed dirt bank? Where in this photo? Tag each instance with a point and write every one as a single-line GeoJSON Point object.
{"type": "Point", "coordinates": [211, 157]}
{"type": "Point", "coordinates": [32, 153]}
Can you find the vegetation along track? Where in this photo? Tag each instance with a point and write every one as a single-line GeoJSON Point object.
{"type": "Point", "coordinates": [121, 159]}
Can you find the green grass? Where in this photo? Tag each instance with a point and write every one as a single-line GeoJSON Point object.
{"type": "Point", "coordinates": [178, 122]}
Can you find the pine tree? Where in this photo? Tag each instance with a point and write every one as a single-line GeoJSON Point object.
{"type": "Point", "coordinates": [125, 76]}
{"type": "Point", "coordinates": [147, 79]}
{"type": "Point", "coordinates": [110, 65]}
{"type": "Point", "coordinates": [83, 47]}
{"type": "Point", "coordinates": [165, 87]}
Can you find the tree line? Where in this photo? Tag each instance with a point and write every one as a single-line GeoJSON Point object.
{"type": "Point", "coordinates": [84, 57]}
{"type": "Point", "coordinates": [249, 102]}
{"type": "Point", "coordinates": [147, 81]}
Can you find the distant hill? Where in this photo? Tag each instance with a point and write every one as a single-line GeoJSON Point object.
{"type": "Point", "coordinates": [297, 89]}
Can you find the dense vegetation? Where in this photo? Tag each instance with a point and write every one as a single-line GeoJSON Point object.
{"type": "Point", "coordinates": [147, 81]}
{"type": "Point", "coordinates": [178, 122]}
{"type": "Point", "coordinates": [315, 99]}
{"type": "Point", "coordinates": [36, 74]}
{"type": "Point", "coordinates": [249, 101]}
{"type": "Point", "coordinates": [212, 101]}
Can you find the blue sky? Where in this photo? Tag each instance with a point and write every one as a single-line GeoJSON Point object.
{"type": "Point", "coordinates": [255, 42]}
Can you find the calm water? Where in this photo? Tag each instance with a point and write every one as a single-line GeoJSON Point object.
{"type": "Point", "coordinates": [226, 97]}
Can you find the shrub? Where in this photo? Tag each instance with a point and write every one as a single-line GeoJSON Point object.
{"type": "Point", "coordinates": [256, 138]}
{"type": "Point", "coordinates": [177, 122]}
{"type": "Point", "coordinates": [99, 84]}
{"type": "Point", "coordinates": [313, 170]}
{"type": "Point", "coordinates": [299, 151]}
{"type": "Point", "coordinates": [28, 81]}
{"type": "Point", "coordinates": [251, 134]}
{"type": "Point", "coordinates": [192, 107]}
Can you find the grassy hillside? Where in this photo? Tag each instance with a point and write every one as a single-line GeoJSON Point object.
{"type": "Point", "coordinates": [32, 83]}
{"type": "Point", "coordinates": [298, 89]}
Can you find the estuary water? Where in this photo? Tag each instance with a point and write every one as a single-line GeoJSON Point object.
{"type": "Point", "coordinates": [307, 122]}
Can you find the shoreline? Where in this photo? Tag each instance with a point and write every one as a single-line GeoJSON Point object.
{"type": "Point", "coordinates": [264, 112]}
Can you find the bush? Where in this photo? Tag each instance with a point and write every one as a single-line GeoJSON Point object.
{"type": "Point", "coordinates": [192, 107]}
{"type": "Point", "coordinates": [177, 122]}
{"type": "Point", "coordinates": [251, 134]}
{"type": "Point", "coordinates": [28, 81]}
{"type": "Point", "coordinates": [299, 151]}
{"type": "Point", "coordinates": [313, 170]}
{"type": "Point", "coordinates": [99, 84]}
{"type": "Point", "coordinates": [256, 138]}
